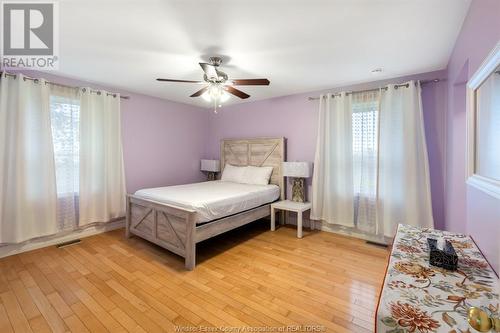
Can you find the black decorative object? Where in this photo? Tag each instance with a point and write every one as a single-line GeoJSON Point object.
{"type": "Point", "coordinates": [446, 258]}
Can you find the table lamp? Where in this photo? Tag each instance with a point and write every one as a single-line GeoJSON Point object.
{"type": "Point", "coordinates": [298, 171]}
{"type": "Point", "coordinates": [211, 167]}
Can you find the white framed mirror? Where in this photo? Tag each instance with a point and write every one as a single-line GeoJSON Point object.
{"type": "Point", "coordinates": [483, 126]}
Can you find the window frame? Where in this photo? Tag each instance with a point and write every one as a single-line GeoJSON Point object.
{"type": "Point", "coordinates": [488, 185]}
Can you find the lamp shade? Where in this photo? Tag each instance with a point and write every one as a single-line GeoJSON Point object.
{"type": "Point", "coordinates": [297, 169]}
{"type": "Point", "coordinates": [210, 165]}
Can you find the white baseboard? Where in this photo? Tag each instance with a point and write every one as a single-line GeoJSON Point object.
{"type": "Point", "coordinates": [346, 231]}
{"type": "Point", "coordinates": [8, 250]}
{"type": "Point", "coordinates": [337, 229]}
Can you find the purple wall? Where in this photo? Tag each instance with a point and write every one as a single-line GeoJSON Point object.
{"type": "Point", "coordinates": [295, 117]}
{"type": "Point", "coordinates": [468, 209]}
{"type": "Point", "coordinates": [162, 140]}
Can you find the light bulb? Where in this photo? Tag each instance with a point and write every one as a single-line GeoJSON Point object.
{"type": "Point", "coordinates": [216, 95]}
{"type": "Point", "coordinates": [206, 96]}
{"type": "Point", "coordinates": [224, 97]}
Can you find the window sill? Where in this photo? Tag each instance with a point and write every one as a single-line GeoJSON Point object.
{"type": "Point", "coordinates": [486, 185]}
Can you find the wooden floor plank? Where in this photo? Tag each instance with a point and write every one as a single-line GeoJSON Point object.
{"type": "Point", "coordinates": [5, 325]}
{"type": "Point", "coordinates": [87, 317]}
{"type": "Point", "coordinates": [24, 298]}
{"type": "Point", "coordinates": [40, 279]}
{"type": "Point", "coordinates": [127, 322]}
{"type": "Point", "coordinates": [102, 315]}
{"type": "Point", "coordinates": [49, 313]}
{"type": "Point", "coordinates": [248, 277]}
{"type": "Point", "coordinates": [58, 303]}
{"type": "Point", "coordinates": [75, 324]}
{"type": "Point", "coordinates": [142, 319]}
{"type": "Point", "coordinates": [14, 312]}
{"type": "Point", "coordinates": [40, 325]}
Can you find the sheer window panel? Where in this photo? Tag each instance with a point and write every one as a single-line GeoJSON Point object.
{"type": "Point", "coordinates": [65, 119]}
{"type": "Point", "coordinates": [365, 111]}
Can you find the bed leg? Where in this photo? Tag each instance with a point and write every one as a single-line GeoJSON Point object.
{"type": "Point", "coordinates": [273, 219]}
{"type": "Point", "coordinates": [190, 258]}
{"type": "Point", "coordinates": [127, 218]}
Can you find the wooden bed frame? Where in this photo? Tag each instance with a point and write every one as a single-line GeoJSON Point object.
{"type": "Point", "coordinates": [174, 228]}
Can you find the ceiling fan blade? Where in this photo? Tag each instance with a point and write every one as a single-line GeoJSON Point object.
{"type": "Point", "coordinates": [209, 70]}
{"type": "Point", "coordinates": [183, 81]}
{"type": "Point", "coordinates": [236, 92]}
{"type": "Point", "coordinates": [200, 92]}
{"type": "Point", "coordinates": [251, 82]}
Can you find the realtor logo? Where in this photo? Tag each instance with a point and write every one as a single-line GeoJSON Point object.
{"type": "Point", "coordinates": [30, 35]}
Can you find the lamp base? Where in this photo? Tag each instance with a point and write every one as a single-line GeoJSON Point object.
{"type": "Point", "coordinates": [298, 190]}
{"type": "Point", "coordinates": [211, 175]}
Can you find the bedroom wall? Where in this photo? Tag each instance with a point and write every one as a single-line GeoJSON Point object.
{"type": "Point", "coordinates": [295, 117]}
{"type": "Point", "coordinates": [467, 208]}
{"type": "Point", "coordinates": [162, 140]}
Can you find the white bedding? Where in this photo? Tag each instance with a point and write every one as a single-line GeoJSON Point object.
{"type": "Point", "coordinates": [213, 199]}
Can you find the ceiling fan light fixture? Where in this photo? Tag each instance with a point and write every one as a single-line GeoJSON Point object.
{"type": "Point", "coordinates": [215, 93]}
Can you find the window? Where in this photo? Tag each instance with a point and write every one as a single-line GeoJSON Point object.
{"type": "Point", "coordinates": [65, 116]}
{"type": "Point", "coordinates": [487, 159]}
{"type": "Point", "coordinates": [483, 126]}
{"type": "Point", "coordinates": [365, 156]}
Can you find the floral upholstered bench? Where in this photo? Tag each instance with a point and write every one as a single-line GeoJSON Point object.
{"type": "Point", "coordinates": [417, 297]}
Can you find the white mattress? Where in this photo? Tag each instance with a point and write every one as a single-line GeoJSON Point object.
{"type": "Point", "coordinates": [213, 199]}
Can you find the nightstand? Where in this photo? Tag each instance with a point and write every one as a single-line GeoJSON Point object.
{"type": "Point", "coordinates": [291, 206]}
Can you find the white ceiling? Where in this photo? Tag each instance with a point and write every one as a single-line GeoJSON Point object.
{"type": "Point", "coordinates": [300, 45]}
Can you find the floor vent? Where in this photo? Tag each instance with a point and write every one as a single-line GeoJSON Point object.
{"type": "Point", "coordinates": [68, 243]}
{"type": "Point", "coordinates": [377, 244]}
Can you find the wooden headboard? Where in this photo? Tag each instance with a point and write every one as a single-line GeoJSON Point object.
{"type": "Point", "coordinates": [256, 152]}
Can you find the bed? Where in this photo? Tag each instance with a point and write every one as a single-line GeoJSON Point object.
{"type": "Point", "coordinates": [178, 217]}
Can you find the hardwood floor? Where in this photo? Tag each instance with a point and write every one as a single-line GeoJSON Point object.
{"type": "Point", "coordinates": [249, 277]}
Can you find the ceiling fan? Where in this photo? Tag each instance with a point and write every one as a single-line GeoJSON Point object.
{"type": "Point", "coordinates": [218, 83]}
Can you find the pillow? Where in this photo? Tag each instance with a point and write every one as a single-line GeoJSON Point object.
{"type": "Point", "coordinates": [257, 175]}
{"type": "Point", "coordinates": [246, 174]}
{"type": "Point", "coordinates": [233, 173]}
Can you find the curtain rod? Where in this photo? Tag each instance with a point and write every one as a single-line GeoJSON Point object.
{"type": "Point", "coordinates": [62, 85]}
{"type": "Point", "coordinates": [375, 89]}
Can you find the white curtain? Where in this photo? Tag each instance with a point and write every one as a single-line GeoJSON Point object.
{"type": "Point", "coordinates": [365, 112]}
{"type": "Point", "coordinates": [65, 116]}
{"type": "Point", "coordinates": [404, 194]}
{"type": "Point", "coordinates": [371, 167]}
{"type": "Point", "coordinates": [332, 189]}
{"type": "Point", "coordinates": [102, 180]}
{"type": "Point", "coordinates": [27, 171]}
